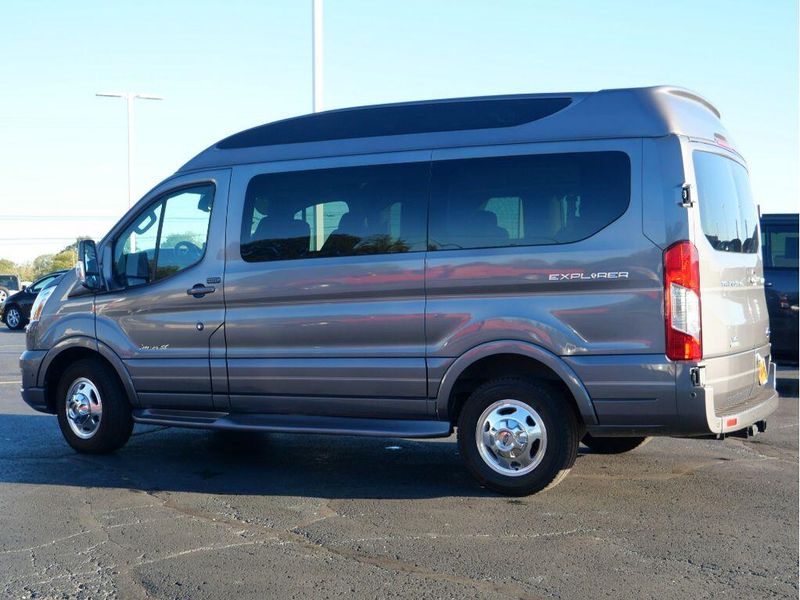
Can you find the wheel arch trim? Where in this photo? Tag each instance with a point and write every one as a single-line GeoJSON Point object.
{"type": "Point", "coordinates": [97, 347]}
{"type": "Point", "coordinates": [547, 358]}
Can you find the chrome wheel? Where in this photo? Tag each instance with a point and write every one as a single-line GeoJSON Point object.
{"type": "Point", "coordinates": [84, 408]}
{"type": "Point", "coordinates": [511, 437]}
{"type": "Point", "coordinates": [13, 318]}
{"type": "Point", "coordinates": [3, 296]}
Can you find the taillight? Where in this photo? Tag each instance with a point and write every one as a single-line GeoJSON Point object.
{"type": "Point", "coordinates": [682, 302]}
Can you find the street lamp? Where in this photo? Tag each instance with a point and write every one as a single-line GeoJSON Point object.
{"type": "Point", "coordinates": [129, 98]}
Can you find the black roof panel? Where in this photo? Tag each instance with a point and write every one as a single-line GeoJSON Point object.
{"type": "Point", "coordinates": [398, 119]}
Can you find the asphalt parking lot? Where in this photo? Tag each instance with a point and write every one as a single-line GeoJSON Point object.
{"type": "Point", "coordinates": [194, 514]}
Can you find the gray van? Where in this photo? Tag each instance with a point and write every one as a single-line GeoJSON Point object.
{"type": "Point", "coordinates": [532, 270]}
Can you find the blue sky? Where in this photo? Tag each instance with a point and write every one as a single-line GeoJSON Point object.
{"type": "Point", "coordinates": [226, 66]}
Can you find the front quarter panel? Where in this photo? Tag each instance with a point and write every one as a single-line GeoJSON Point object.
{"type": "Point", "coordinates": [69, 312]}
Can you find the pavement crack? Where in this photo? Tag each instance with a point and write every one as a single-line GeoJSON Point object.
{"type": "Point", "coordinates": [396, 565]}
{"type": "Point", "coordinates": [46, 544]}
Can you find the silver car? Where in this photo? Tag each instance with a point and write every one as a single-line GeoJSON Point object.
{"type": "Point", "coordinates": [533, 271]}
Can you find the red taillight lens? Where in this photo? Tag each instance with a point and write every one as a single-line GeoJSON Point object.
{"type": "Point", "coordinates": [682, 302]}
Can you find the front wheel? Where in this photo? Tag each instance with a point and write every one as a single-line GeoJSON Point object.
{"type": "Point", "coordinates": [93, 412]}
{"type": "Point", "coordinates": [613, 445]}
{"type": "Point", "coordinates": [13, 318]}
{"type": "Point", "coordinates": [518, 436]}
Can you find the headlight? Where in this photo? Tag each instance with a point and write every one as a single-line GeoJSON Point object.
{"type": "Point", "coordinates": [38, 304]}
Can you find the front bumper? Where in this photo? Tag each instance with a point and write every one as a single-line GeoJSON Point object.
{"type": "Point", "coordinates": [34, 396]}
{"type": "Point", "coordinates": [36, 399]}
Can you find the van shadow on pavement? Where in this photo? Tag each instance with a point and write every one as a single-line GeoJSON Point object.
{"type": "Point", "coordinates": [32, 451]}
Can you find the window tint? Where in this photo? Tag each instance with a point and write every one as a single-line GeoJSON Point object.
{"type": "Point", "coordinates": [43, 283]}
{"type": "Point", "coordinates": [185, 230]}
{"type": "Point", "coordinates": [780, 245]}
{"type": "Point", "coordinates": [335, 212]}
{"type": "Point", "coordinates": [135, 249]}
{"type": "Point", "coordinates": [727, 212]}
{"type": "Point", "coordinates": [526, 200]}
{"type": "Point", "coordinates": [169, 236]}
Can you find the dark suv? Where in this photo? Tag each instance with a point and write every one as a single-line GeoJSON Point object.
{"type": "Point", "coordinates": [8, 285]}
{"type": "Point", "coordinates": [779, 243]}
{"type": "Point", "coordinates": [17, 309]}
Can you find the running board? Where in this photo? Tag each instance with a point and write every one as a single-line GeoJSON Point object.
{"type": "Point", "coordinates": [400, 428]}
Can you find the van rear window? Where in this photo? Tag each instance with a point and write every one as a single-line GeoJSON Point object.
{"type": "Point", "coordinates": [727, 212]}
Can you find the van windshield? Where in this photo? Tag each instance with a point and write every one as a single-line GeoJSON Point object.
{"type": "Point", "coordinates": [727, 212]}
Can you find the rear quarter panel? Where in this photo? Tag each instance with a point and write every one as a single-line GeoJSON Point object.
{"type": "Point", "coordinates": [479, 295]}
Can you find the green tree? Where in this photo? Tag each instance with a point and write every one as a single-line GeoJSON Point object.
{"type": "Point", "coordinates": [42, 265]}
{"type": "Point", "coordinates": [65, 259]}
{"type": "Point", "coordinates": [25, 271]}
{"type": "Point", "coordinates": [7, 267]}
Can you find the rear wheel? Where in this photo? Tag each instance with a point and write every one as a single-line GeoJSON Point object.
{"type": "Point", "coordinates": [613, 445]}
{"type": "Point", "coordinates": [13, 317]}
{"type": "Point", "coordinates": [93, 413]}
{"type": "Point", "coordinates": [518, 436]}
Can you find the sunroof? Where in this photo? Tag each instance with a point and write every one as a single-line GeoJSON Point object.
{"type": "Point", "coordinates": [397, 120]}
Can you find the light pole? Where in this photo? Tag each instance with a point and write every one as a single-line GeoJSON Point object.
{"type": "Point", "coordinates": [129, 98]}
{"type": "Point", "coordinates": [316, 94]}
{"type": "Point", "coordinates": [316, 51]}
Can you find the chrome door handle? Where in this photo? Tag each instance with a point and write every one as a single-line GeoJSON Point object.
{"type": "Point", "coordinates": [199, 290]}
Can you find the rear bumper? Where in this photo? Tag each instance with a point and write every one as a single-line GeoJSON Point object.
{"type": "Point", "coordinates": [758, 408]}
{"type": "Point", "coordinates": [638, 395]}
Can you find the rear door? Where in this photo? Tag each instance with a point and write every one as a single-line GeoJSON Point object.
{"type": "Point", "coordinates": [734, 311]}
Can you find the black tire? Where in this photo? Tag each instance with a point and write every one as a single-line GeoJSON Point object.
{"type": "Point", "coordinates": [560, 423]}
{"type": "Point", "coordinates": [21, 321]}
{"type": "Point", "coordinates": [115, 425]}
{"type": "Point", "coordinates": [613, 445]}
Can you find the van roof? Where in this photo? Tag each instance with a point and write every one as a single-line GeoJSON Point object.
{"type": "Point", "coordinates": [485, 120]}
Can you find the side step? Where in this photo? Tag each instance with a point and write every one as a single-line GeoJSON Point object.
{"type": "Point", "coordinates": [400, 428]}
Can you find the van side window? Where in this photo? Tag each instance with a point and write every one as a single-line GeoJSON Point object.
{"type": "Point", "coordinates": [335, 212]}
{"type": "Point", "coordinates": [728, 214]}
{"type": "Point", "coordinates": [169, 236]}
{"type": "Point", "coordinates": [526, 200]}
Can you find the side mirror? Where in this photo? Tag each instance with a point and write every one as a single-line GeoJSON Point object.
{"type": "Point", "coordinates": [88, 268]}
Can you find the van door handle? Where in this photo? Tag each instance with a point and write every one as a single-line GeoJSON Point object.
{"type": "Point", "coordinates": [199, 290]}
